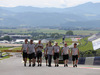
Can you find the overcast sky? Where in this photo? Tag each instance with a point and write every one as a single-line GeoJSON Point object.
{"type": "Point", "coordinates": [44, 3]}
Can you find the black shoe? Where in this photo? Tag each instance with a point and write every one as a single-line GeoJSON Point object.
{"type": "Point", "coordinates": [40, 64]}
{"type": "Point", "coordinates": [49, 65]}
{"type": "Point", "coordinates": [66, 65]}
{"type": "Point", "coordinates": [57, 65]}
{"type": "Point", "coordinates": [46, 65]}
{"type": "Point", "coordinates": [25, 65]}
{"type": "Point", "coordinates": [33, 65]}
{"type": "Point", "coordinates": [75, 65]}
{"type": "Point", "coordinates": [29, 65]}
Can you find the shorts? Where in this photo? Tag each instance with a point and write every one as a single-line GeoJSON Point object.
{"type": "Point", "coordinates": [31, 56]}
{"type": "Point", "coordinates": [24, 55]}
{"type": "Point", "coordinates": [74, 57]}
{"type": "Point", "coordinates": [39, 54]}
{"type": "Point", "coordinates": [65, 57]}
{"type": "Point", "coordinates": [56, 55]}
{"type": "Point", "coordinates": [46, 57]}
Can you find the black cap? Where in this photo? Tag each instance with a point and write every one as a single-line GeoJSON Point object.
{"type": "Point", "coordinates": [75, 43]}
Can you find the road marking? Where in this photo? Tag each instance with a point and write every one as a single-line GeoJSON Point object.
{"type": "Point", "coordinates": [89, 68]}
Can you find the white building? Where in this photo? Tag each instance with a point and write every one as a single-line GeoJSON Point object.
{"type": "Point", "coordinates": [20, 40]}
{"type": "Point", "coordinates": [96, 44]}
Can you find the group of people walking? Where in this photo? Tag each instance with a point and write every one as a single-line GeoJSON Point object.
{"type": "Point", "coordinates": [34, 51]}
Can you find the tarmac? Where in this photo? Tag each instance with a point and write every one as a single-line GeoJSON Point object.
{"type": "Point", "coordinates": [15, 66]}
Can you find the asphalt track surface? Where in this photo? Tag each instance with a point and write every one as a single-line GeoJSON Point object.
{"type": "Point", "coordinates": [14, 66]}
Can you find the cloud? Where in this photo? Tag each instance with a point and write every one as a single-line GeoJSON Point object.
{"type": "Point", "coordinates": [44, 3]}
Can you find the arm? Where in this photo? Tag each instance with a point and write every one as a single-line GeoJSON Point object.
{"type": "Point", "coordinates": [21, 50]}
{"type": "Point", "coordinates": [36, 46]}
{"type": "Point", "coordinates": [78, 53]}
{"type": "Point", "coordinates": [59, 49]}
{"type": "Point", "coordinates": [42, 46]}
{"type": "Point", "coordinates": [35, 50]}
{"type": "Point", "coordinates": [46, 51]}
{"type": "Point", "coordinates": [27, 51]}
{"type": "Point", "coordinates": [53, 51]}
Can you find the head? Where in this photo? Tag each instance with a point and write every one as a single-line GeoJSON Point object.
{"type": "Point", "coordinates": [75, 45]}
{"type": "Point", "coordinates": [26, 40]}
{"type": "Point", "coordinates": [31, 41]}
{"type": "Point", "coordinates": [65, 44]}
{"type": "Point", "coordinates": [56, 43]}
{"type": "Point", "coordinates": [39, 41]}
{"type": "Point", "coordinates": [46, 44]}
{"type": "Point", "coordinates": [49, 43]}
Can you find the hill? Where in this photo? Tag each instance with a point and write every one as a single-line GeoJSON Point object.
{"type": "Point", "coordinates": [83, 15]}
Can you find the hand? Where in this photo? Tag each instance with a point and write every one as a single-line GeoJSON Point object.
{"type": "Point", "coordinates": [69, 55]}
{"type": "Point", "coordinates": [78, 56]}
{"type": "Point", "coordinates": [27, 52]}
{"type": "Point", "coordinates": [21, 53]}
{"type": "Point", "coordinates": [53, 54]}
{"type": "Point", "coordinates": [40, 46]}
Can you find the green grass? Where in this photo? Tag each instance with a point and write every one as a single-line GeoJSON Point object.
{"type": "Point", "coordinates": [85, 45]}
{"type": "Point", "coordinates": [51, 31]}
{"type": "Point", "coordinates": [98, 52]}
{"type": "Point", "coordinates": [5, 57]}
{"type": "Point", "coordinates": [60, 41]}
{"type": "Point", "coordinates": [85, 32]}
{"type": "Point", "coordinates": [15, 30]}
{"type": "Point", "coordinates": [5, 48]}
{"type": "Point", "coordinates": [17, 48]}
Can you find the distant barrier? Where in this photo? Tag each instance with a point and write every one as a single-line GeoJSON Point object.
{"type": "Point", "coordinates": [81, 60]}
{"type": "Point", "coordinates": [10, 50]}
{"type": "Point", "coordinates": [89, 60]}
{"type": "Point", "coordinates": [84, 60]}
{"type": "Point", "coordinates": [96, 61]}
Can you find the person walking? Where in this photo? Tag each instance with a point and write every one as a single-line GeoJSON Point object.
{"type": "Point", "coordinates": [46, 55]}
{"type": "Point", "coordinates": [56, 50]}
{"type": "Point", "coordinates": [31, 53]}
{"type": "Point", "coordinates": [49, 51]}
{"type": "Point", "coordinates": [75, 55]}
{"type": "Point", "coordinates": [24, 51]}
{"type": "Point", "coordinates": [66, 53]}
{"type": "Point", "coordinates": [39, 48]}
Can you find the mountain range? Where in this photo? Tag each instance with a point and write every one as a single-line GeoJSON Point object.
{"type": "Point", "coordinates": [85, 15]}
